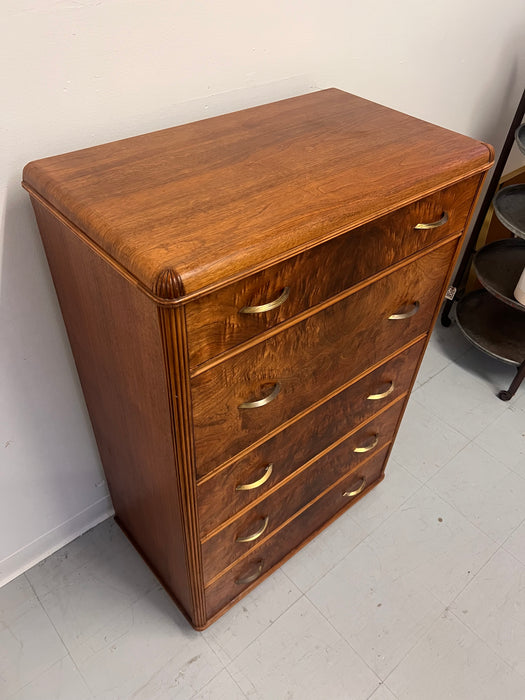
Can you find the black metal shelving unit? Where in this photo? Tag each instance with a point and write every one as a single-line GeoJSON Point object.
{"type": "Point", "coordinates": [491, 318]}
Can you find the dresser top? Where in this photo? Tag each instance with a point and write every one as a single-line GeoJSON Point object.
{"type": "Point", "coordinates": [187, 208]}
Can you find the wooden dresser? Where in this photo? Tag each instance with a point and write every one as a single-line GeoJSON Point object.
{"type": "Point", "coordinates": [248, 299]}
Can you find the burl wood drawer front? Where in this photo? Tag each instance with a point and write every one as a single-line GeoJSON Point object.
{"type": "Point", "coordinates": [293, 534]}
{"type": "Point", "coordinates": [240, 536]}
{"type": "Point", "coordinates": [222, 320]}
{"type": "Point", "coordinates": [253, 476]}
{"type": "Point", "coordinates": [240, 400]}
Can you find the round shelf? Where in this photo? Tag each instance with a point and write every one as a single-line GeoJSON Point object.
{"type": "Point", "coordinates": [493, 327]}
{"type": "Point", "coordinates": [509, 205]}
{"type": "Point", "coordinates": [520, 138]}
{"type": "Point", "coordinates": [499, 266]}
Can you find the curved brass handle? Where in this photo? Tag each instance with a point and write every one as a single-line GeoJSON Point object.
{"type": "Point", "coordinates": [360, 488]}
{"type": "Point", "coordinates": [367, 448]}
{"type": "Point", "coordinates": [251, 577]}
{"type": "Point", "coordinates": [257, 534]}
{"type": "Point", "coordinates": [255, 484]}
{"type": "Point", "coordinates": [269, 306]}
{"type": "Point", "coordinates": [405, 314]}
{"type": "Point", "coordinates": [262, 402]}
{"type": "Point", "coordinates": [434, 224]}
{"type": "Point", "coordinates": [376, 397]}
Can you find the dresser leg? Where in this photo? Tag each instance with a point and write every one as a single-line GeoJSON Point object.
{"type": "Point", "coordinates": [507, 394]}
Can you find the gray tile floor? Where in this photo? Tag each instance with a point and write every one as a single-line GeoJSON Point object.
{"type": "Point", "coordinates": [416, 593]}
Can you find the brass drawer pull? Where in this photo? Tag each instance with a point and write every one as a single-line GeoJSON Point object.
{"type": "Point", "coordinates": [269, 306]}
{"type": "Point", "coordinates": [434, 224]}
{"type": "Point", "coordinates": [367, 448]}
{"type": "Point", "coordinates": [360, 488]}
{"type": "Point", "coordinates": [251, 577]}
{"type": "Point", "coordinates": [255, 484]}
{"type": "Point", "coordinates": [255, 535]}
{"type": "Point", "coordinates": [376, 397]}
{"type": "Point", "coordinates": [405, 314]}
{"type": "Point", "coordinates": [262, 402]}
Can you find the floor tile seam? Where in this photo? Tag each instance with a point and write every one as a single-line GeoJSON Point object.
{"type": "Point", "coordinates": [507, 551]}
{"type": "Point", "coordinates": [514, 405]}
{"type": "Point", "coordinates": [212, 680]}
{"type": "Point", "coordinates": [158, 670]}
{"type": "Point", "coordinates": [460, 449]}
{"type": "Point", "coordinates": [454, 426]}
{"type": "Point", "coordinates": [390, 515]}
{"type": "Point", "coordinates": [500, 461]}
{"type": "Point", "coordinates": [222, 663]}
{"type": "Point", "coordinates": [236, 684]}
{"type": "Point", "coordinates": [66, 648]}
{"type": "Point", "coordinates": [472, 438]}
{"type": "Point", "coordinates": [271, 624]}
{"type": "Point", "coordinates": [478, 572]}
{"type": "Point", "coordinates": [395, 510]}
{"type": "Point", "coordinates": [346, 641]}
{"type": "Point", "coordinates": [155, 584]}
{"type": "Point", "coordinates": [46, 670]}
{"type": "Point", "coordinates": [486, 643]}
{"type": "Point", "coordinates": [382, 684]}
{"type": "Point", "coordinates": [114, 640]}
{"type": "Point", "coordinates": [465, 517]}
{"type": "Point", "coordinates": [234, 680]}
{"type": "Point", "coordinates": [408, 471]}
{"type": "Point", "coordinates": [429, 379]}
{"type": "Point", "coordinates": [456, 595]}
{"type": "Point", "coordinates": [439, 414]}
{"type": "Point", "coordinates": [420, 637]}
{"type": "Point", "coordinates": [329, 570]}
{"type": "Point", "coordinates": [81, 675]}
{"type": "Point", "coordinates": [72, 647]}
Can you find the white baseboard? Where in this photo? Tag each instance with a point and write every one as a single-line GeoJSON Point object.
{"type": "Point", "coordinates": [32, 553]}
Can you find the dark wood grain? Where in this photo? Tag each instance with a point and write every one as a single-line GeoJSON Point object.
{"type": "Point", "coordinates": [116, 340]}
{"type": "Point", "coordinates": [155, 241]}
{"type": "Point", "coordinates": [219, 198]}
{"type": "Point", "coordinates": [291, 448]}
{"type": "Point", "coordinates": [311, 359]}
{"type": "Point", "coordinates": [224, 591]}
{"type": "Point", "coordinates": [220, 550]}
{"type": "Point", "coordinates": [214, 321]}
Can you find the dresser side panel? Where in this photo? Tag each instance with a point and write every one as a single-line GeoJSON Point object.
{"type": "Point", "coordinates": [116, 340]}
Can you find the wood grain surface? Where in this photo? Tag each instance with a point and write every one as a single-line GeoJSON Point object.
{"type": "Point", "coordinates": [225, 590]}
{"type": "Point", "coordinates": [223, 548]}
{"type": "Point", "coordinates": [154, 242]}
{"type": "Point", "coordinates": [312, 358]}
{"type": "Point", "coordinates": [287, 451]}
{"type": "Point", "coordinates": [215, 323]}
{"type": "Point", "coordinates": [213, 200]}
{"type": "Point", "coordinates": [116, 340]}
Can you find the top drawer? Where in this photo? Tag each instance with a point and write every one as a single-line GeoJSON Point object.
{"type": "Point", "coordinates": [231, 316]}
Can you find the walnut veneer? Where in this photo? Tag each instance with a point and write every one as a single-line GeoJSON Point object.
{"type": "Point", "coordinates": [248, 299]}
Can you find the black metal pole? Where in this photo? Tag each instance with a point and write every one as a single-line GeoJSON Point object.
{"type": "Point", "coordinates": [487, 200]}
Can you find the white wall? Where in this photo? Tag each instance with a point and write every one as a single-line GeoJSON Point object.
{"type": "Point", "coordinates": [80, 72]}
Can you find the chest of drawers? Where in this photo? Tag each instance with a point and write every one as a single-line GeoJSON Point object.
{"type": "Point", "coordinates": [248, 299]}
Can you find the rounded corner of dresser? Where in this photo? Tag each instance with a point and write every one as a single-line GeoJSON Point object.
{"type": "Point", "coordinates": [492, 153]}
{"type": "Point", "coordinates": [168, 285]}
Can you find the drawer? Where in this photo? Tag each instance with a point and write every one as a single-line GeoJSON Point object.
{"type": "Point", "coordinates": [240, 536]}
{"type": "Point", "coordinates": [248, 479]}
{"type": "Point", "coordinates": [252, 568]}
{"type": "Point", "coordinates": [215, 322]}
{"type": "Point", "coordinates": [309, 360]}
